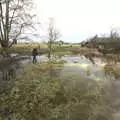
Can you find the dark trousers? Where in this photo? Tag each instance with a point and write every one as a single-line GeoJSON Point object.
{"type": "Point", "coordinates": [34, 59]}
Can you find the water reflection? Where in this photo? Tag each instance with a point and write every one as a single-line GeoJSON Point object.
{"type": "Point", "coordinates": [8, 74]}
{"type": "Point", "coordinates": [11, 66]}
{"type": "Point", "coordinates": [88, 66]}
{"type": "Point", "coordinates": [90, 58]}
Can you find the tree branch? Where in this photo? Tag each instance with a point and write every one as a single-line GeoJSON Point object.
{"type": "Point", "coordinates": [7, 20]}
{"type": "Point", "coordinates": [13, 15]}
{"type": "Point", "coordinates": [19, 31]}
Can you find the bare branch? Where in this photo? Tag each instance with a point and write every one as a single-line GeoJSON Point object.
{"type": "Point", "coordinates": [7, 21]}
{"type": "Point", "coordinates": [19, 31]}
{"type": "Point", "coordinates": [13, 15]}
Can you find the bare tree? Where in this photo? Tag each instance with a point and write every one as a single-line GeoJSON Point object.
{"type": "Point", "coordinates": [53, 35]}
{"type": "Point", "coordinates": [114, 33]}
{"type": "Point", "coordinates": [14, 17]}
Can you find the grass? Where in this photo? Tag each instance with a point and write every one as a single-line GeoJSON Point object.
{"type": "Point", "coordinates": [63, 53]}
{"type": "Point", "coordinates": [113, 70]}
{"type": "Point", "coordinates": [65, 49]}
{"type": "Point", "coordinates": [26, 48]}
{"type": "Point", "coordinates": [40, 94]}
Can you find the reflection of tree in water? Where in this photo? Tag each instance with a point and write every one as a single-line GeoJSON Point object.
{"type": "Point", "coordinates": [8, 68]}
{"type": "Point", "coordinates": [8, 74]}
{"type": "Point", "coordinates": [90, 58]}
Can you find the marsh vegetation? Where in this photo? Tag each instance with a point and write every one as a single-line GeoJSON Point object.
{"type": "Point", "coordinates": [66, 88]}
{"type": "Point", "coordinates": [70, 81]}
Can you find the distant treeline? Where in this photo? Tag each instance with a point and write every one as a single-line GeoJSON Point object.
{"type": "Point", "coordinates": [110, 43]}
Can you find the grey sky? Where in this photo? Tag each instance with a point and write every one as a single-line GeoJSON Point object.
{"type": "Point", "coordinates": [80, 19]}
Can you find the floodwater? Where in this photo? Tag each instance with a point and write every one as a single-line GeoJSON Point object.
{"type": "Point", "coordinates": [75, 68]}
{"type": "Point", "coordinates": [92, 69]}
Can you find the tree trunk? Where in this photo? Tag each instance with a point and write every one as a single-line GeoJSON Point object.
{"type": "Point", "coordinates": [4, 44]}
{"type": "Point", "coordinates": [7, 22]}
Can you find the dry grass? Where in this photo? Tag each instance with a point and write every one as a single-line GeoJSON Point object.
{"type": "Point", "coordinates": [113, 69]}
{"type": "Point", "coordinates": [86, 51]}
{"type": "Point", "coordinates": [26, 47]}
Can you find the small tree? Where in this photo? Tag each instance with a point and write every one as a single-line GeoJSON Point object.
{"type": "Point", "coordinates": [60, 43]}
{"type": "Point", "coordinates": [53, 35]}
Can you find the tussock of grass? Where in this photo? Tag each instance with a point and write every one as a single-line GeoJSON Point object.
{"type": "Point", "coordinates": [113, 70]}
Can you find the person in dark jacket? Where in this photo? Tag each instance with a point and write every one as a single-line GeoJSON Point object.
{"type": "Point", "coordinates": [34, 54]}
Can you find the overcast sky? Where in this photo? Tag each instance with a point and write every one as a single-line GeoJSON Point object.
{"type": "Point", "coordinates": [78, 20]}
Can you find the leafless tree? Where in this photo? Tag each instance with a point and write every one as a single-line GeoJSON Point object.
{"type": "Point", "coordinates": [114, 33]}
{"type": "Point", "coordinates": [53, 35]}
{"type": "Point", "coordinates": [14, 17]}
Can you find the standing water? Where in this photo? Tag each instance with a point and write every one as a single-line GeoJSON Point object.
{"type": "Point", "coordinates": [75, 69]}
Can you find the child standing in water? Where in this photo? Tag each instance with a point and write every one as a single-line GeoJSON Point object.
{"type": "Point", "coordinates": [34, 54]}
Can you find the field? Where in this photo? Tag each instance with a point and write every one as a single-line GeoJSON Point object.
{"type": "Point", "coordinates": [26, 48]}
